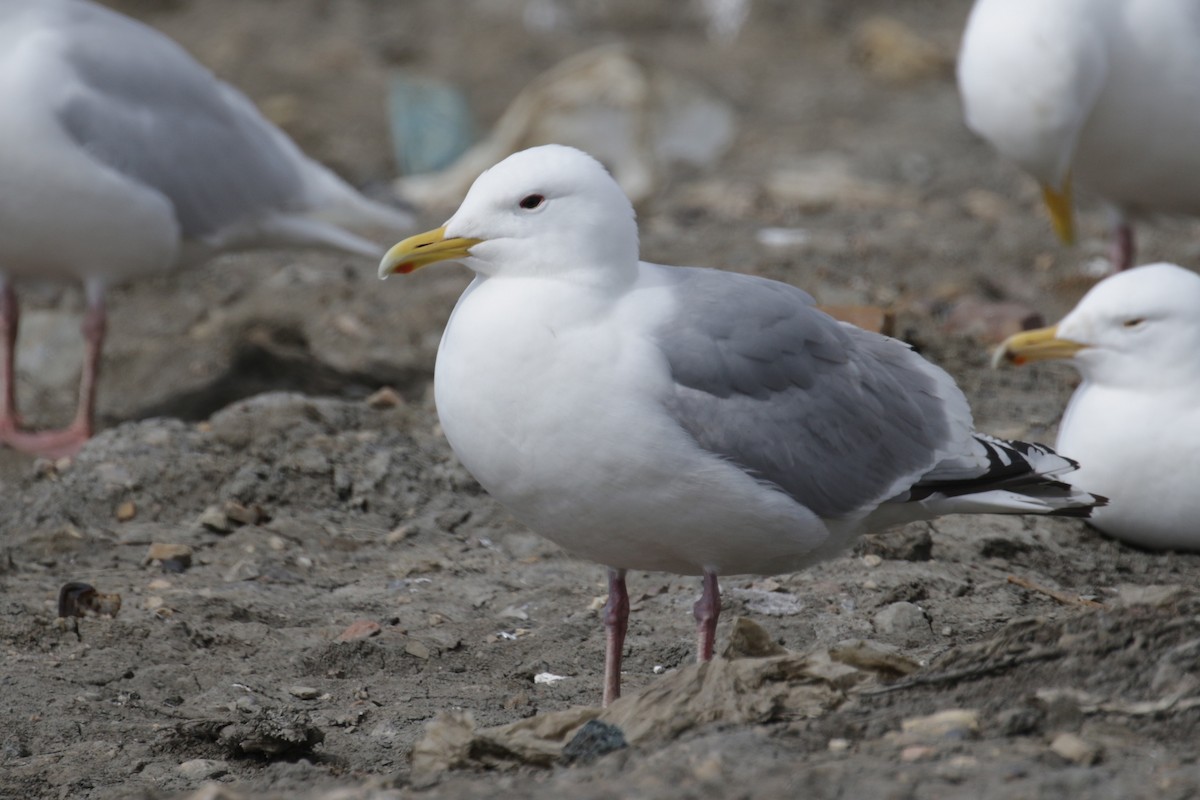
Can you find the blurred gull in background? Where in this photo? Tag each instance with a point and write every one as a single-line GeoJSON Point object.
{"type": "Point", "coordinates": [121, 156]}
{"type": "Point", "coordinates": [1105, 92]}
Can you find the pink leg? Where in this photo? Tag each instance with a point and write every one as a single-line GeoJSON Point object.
{"type": "Point", "coordinates": [95, 326]}
{"type": "Point", "coordinates": [616, 622]}
{"type": "Point", "coordinates": [1122, 247]}
{"type": "Point", "coordinates": [9, 318]}
{"type": "Point", "coordinates": [706, 610]}
{"type": "Point", "coordinates": [68, 441]}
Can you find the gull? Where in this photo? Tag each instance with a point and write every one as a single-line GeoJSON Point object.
{"type": "Point", "coordinates": [121, 156]}
{"type": "Point", "coordinates": [1134, 421]}
{"type": "Point", "coordinates": [1103, 91]}
{"type": "Point", "coordinates": [686, 420]}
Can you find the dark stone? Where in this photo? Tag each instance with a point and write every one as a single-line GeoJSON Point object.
{"type": "Point", "coordinates": [593, 740]}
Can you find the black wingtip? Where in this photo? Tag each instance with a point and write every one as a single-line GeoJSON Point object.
{"type": "Point", "coordinates": [1080, 512]}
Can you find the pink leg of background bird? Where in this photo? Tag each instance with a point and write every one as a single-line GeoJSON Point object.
{"type": "Point", "coordinates": [706, 610]}
{"type": "Point", "coordinates": [616, 622]}
{"type": "Point", "coordinates": [65, 442]}
{"type": "Point", "coordinates": [9, 317]}
{"type": "Point", "coordinates": [1122, 247]}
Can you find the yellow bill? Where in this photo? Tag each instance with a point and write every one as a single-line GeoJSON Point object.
{"type": "Point", "coordinates": [1061, 205]}
{"type": "Point", "coordinates": [424, 249]}
{"type": "Point", "coordinates": [1042, 344]}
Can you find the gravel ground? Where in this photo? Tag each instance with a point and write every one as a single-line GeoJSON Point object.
{"type": "Point", "coordinates": [243, 429]}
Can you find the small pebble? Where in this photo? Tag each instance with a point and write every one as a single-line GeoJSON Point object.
{"type": "Point", "coordinates": [917, 752]}
{"type": "Point", "coordinates": [303, 692]}
{"type": "Point", "coordinates": [126, 511]}
{"type": "Point", "coordinates": [200, 769]}
{"type": "Point", "coordinates": [173, 557]}
{"type": "Point", "coordinates": [244, 515]}
{"type": "Point", "coordinates": [359, 629]}
{"type": "Point", "coordinates": [417, 649]}
{"type": "Point", "coordinates": [214, 519]}
{"type": "Point", "coordinates": [903, 618]}
{"type": "Point", "coordinates": [1076, 750]}
{"type": "Point", "coordinates": [385, 397]}
{"type": "Point", "coordinates": [953, 723]}
{"type": "Point", "coordinates": [872, 560]}
{"type": "Point", "coordinates": [839, 745]}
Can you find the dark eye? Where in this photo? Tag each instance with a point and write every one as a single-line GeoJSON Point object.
{"type": "Point", "coordinates": [1133, 323]}
{"type": "Point", "coordinates": [532, 201]}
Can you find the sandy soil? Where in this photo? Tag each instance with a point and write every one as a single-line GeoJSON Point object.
{"type": "Point", "coordinates": [307, 509]}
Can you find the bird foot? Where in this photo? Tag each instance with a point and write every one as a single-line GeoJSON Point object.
{"type": "Point", "coordinates": [47, 444]}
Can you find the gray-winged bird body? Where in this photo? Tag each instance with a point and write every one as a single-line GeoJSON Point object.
{"type": "Point", "coordinates": [689, 420]}
{"type": "Point", "coordinates": [121, 156]}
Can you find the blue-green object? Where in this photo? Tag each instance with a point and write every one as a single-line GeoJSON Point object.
{"type": "Point", "coordinates": [430, 123]}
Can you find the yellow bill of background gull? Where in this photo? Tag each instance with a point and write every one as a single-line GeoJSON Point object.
{"type": "Point", "coordinates": [121, 156]}
{"type": "Point", "coordinates": [1105, 92]}
{"type": "Point", "coordinates": [1134, 422]}
{"type": "Point", "coordinates": [686, 420]}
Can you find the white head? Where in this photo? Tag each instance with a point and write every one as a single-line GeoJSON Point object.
{"type": "Point", "coordinates": [549, 210]}
{"type": "Point", "coordinates": [1137, 329]}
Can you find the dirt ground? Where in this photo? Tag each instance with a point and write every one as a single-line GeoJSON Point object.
{"type": "Point", "coordinates": [236, 423]}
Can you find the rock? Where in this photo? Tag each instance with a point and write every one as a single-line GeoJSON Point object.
{"type": "Point", "coordinates": [215, 520]}
{"type": "Point", "coordinates": [953, 723]}
{"type": "Point", "coordinates": [905, 544]}
{"type": "Point", "coordinates": [917, 752]}
{"type": "Point", "coordinates": [244, 515]}
{"type": "Point", "coordinates": [445, 745]}
{"type": "Point", "coordinates": [826, 181]}
{"type": "Point", "coordinates": [172, 557]}
{"type": "Point", "coordinates": [76, 599]}
{"type": "Point", "coordinates": [986, 206]}
{"type": "Point", "coordinates": [202, 769]}
{"type": "Point", "coordinates": [783, 239]}
{"type": "Point", "coordinates": [1155, 596]}
{"type": "Point", "coordinates": [359, 629]}
{"type": "Point", "coordinates": [748, 639]}
{"type": "Point", "coordinates": [628, 112]}
{"type": "Point", "coordinates": [903, 619]}
{"type": "Point", "coordinates": [416, 649]}
{"type": "Point", "coordinates": [873, 656]}
{"type": "Point", "coordinates": [385, 397]}
{"type": "Point", "coordinates": [246, 569]}
{"type": "Point", "coordinates": [1076, 750]}
{"type": "Point", "coordinates": [272, 735]}
{"type": "Point", "coordinates": [303, 692]}
{"type": "Point", "coordinates": [126, 511]}
{"type": "Point", "coordinates": [13, 747]}
{"type": "Point", "coordinates": [892, 52]}
{"type": "Point", "coordinates": [1019, 721]}
{"type": "Point", "coordinates": [594, 739]}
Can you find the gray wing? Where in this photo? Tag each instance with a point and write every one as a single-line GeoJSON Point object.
{"type": "Point", "coordinates": [838, 418]}
{"type": "Point", "coordinates": [148, 110]}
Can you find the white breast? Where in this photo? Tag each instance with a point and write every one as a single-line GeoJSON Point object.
{"type": "Point", "coordinates": [1147, 469]}
{"type": "Point", "coordinates": [560, 418]}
